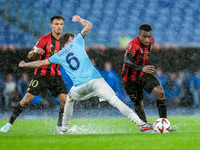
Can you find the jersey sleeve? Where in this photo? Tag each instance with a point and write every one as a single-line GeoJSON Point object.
{"type": "Point", "coordinates": [39, 44]}
{"type": "Point", "coordinates": [132, 48]}
{"type": "Point", "coordinates": [129, 59]}
{"type": "Point", "coordinates": [54, 59]}
{"type": "Point", "coordinates": [79, 39]}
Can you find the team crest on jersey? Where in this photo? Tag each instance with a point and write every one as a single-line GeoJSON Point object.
{"type": "Point", "coordinates": [130, 46]}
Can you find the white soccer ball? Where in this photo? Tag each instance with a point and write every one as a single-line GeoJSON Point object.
{"type": "Point", "coordinates": [162, 125]}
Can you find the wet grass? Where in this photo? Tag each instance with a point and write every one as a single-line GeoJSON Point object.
{"type": "Point", "coordinates": [99, 133]}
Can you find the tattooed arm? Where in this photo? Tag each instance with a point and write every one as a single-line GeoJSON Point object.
{"type": "Point", "coordinates": [35, 64]}
{"type": "Point", "coordinates": [87, 26]}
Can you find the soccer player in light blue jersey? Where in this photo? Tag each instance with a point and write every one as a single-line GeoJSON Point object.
{"type": "Point", "coordinates": [87, 81]}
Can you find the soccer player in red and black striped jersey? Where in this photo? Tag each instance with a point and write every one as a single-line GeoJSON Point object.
{"type": "Point", "coordinates": [47, 77]}
{"type": "Point", "coordinates": [137, 75]}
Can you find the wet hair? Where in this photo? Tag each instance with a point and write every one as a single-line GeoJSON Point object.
{"type": "Point", "coordinates": [145, 27]}
{"type": "Point", "coordinates": [65, 37]}
{"type": "Point", "coordinates": [57, 17]}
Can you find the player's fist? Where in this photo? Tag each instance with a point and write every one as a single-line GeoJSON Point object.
{"type": "Point", "coordinates": [22, 64]}
{"type": "Point", "coordinates": [76, 18]}
{"type": "Point", "coordinates": [39, 51]}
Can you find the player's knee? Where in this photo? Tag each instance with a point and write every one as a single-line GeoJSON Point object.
{"type": "Point", "coordinates": [69, 99]}
{"type": "Point", "coordinates": [62, 99]}
{"type": "Point", "coordinates": [26, 99]}
{"type": "Point", "coordinates": [160, 94]}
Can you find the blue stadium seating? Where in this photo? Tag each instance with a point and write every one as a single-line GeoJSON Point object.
{"type": "Point", "coordinates": [27, 39]}
{"type": "Point", "coordinates": [13, 8]}
{"type": "Point", "coordinates": [2, 31]}
{"type": "Point", "coordinates": [172, 21]}
{"type": "Point", "coordinates": [3, 6]}
{"type": "Point", "coordinates": [12, 34]}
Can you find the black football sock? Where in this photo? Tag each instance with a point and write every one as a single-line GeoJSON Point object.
{"type": "Point", "coordinates": [139, 109]}
{"type": "Point", "coordinates": [16, 113]}
{"type": "Point", "coordinates": [162, 108]}
{"type": "Point", "coordinates": [61, 111]}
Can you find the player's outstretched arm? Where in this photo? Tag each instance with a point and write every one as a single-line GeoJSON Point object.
{"type": "Point", "coordinates": [87, 26]}
{"type": "Point", "coordinates": [35, 64]}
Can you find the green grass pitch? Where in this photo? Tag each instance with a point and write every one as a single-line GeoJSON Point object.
{"type": "Point", "coordinates": [100, 134]}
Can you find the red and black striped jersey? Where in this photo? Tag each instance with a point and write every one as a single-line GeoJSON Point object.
{"type": "Point", "coordinates": [51, 46]}
{"type": "Point", "coordinates": [140, 53]}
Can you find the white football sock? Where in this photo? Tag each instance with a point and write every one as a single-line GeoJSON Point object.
{"type": "Point", "coordinates": [125, 110]}
{"type": "Point", "coordinates": [68, 110]}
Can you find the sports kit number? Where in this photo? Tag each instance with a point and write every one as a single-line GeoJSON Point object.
{"type": "Point", "coordinates": [69, 59]}
{"type": "Point", "coordinates": [34, 83]}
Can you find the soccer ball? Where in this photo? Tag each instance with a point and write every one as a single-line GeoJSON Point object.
{"type": "Point", "coordinates": [162, 125]}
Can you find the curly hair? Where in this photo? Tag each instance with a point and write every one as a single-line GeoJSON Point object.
{"type": "Point", "coordinates": [145, 27]}
{"type": "Point", "coordinates": [65, 37]}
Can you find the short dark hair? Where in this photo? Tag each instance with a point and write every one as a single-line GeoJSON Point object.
{"type": "Point", "coordinates": [57, 17]}
{"type": "Point", "coordinates": [65, 37]}
{"type": "Point", "coordinates": [145, 27]}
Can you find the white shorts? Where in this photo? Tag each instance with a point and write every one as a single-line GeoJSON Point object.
{"type": "Point", "coordinates": [93, 88]}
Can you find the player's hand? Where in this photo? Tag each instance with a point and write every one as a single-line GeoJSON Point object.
{"type": "Point", "coordinates": [148, 69]}
{"type": "Point", "coordinates": [22, 63]}
{"type": "Point", "coordinates": [76, 18]}
{"type": "Point", "coordinates": [40, 51]}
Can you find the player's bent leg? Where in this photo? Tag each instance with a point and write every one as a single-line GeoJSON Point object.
{"type": "Point", "coordinates": [139, 109]}
{"type": "Point", "coordinates": [125, 110]}
{"type": "Point", "coordinates": [161, 101]}
{"type": "Point", "coordinates": [161, 104]}
{"type": "Point", "coordinates": [21, 106]}
{"type": "Point", "coordinates": [28, 97]}
{"type": "Point", "coordinates": [68, 110]}
{"type": "Point", "coordinates": [62, 99]}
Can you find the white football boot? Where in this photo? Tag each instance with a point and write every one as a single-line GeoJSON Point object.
{"type": "Point", "coordinates": [6, 128]}
{"type": "Point", "coordinates": [58, 128]}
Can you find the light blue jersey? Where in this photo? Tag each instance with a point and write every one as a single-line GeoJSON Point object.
{"type": "Point", "coordinates": [74, 59]}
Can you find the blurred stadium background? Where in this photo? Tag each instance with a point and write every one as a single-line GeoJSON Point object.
{"type": "Point", "coordinates": [175, 30]}
{"type": "Point", "coordinates": [24, 21]}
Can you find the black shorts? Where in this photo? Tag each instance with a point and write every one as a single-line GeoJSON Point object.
{"type": "Point", "coordinates": [135, 89]}
{"type": "Point", "coordinates": [54, 84]}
